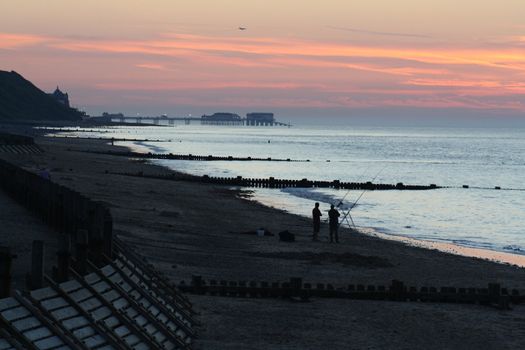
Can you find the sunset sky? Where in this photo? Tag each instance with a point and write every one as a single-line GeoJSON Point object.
{"type": "Point", "coordinates": [427, 59]}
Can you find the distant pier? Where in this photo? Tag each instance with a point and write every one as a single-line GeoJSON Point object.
{"type": "Point", "coordinates": [222, 118]}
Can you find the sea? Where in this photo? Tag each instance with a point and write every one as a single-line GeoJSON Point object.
{"type": "Point", "coordinates": [481, 159]}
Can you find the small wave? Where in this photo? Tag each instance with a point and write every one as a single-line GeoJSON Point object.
{"type": "Point", "coordinates": [512, 247]}
{"type": "Point", "coordinates": [151, 147]}
{"type": "Point", "coordinates": [468, 243]}
{"type": "Point", "coordinates": [311, 194]}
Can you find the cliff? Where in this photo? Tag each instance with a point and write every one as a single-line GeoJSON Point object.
{"type": "Point", "coordinates": [20, 100]}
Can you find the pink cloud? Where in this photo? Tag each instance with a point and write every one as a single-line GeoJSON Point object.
{"type": "Point", "coordinates": [306, 73]}
{"type": "Point", "coordinates": [12, 41]}
{"type": "Point", "coordinates": [195, 85]}
{"type": "Point", "coordinates": [515, 87]}
{"type": "Point", "coordinates": [512, 59]}
{"type": "Point", "coordinates": [154, 66]}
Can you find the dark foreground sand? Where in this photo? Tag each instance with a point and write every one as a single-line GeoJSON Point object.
{"type": "Point", "coordinates": [187, 229]}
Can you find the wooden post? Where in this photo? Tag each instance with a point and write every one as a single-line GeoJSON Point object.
{"type": "Point", "coordinates": [96, 233]}
{"type": "Point", "coordinates": [197, 284]}
{"type": "Point", "coordinates": [81, 252]}
{"type": "Point", "coordinates": [494, 290]}
{"type": "Point", "coordinates": [64, 257]}
{"type": "Point", "coordinates": [108, 233]}
{"type": "Point", "coordinates": [296, 283]}
{"type": "Point", "coordinates": [397, 290]}
{"type": "Point", "coordinates": [5, 271]}
{"type": "Point", "coordinates": [36, 280]}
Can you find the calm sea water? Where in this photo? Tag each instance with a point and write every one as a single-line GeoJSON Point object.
{"type": "Point", "coordinates": [478, 217]}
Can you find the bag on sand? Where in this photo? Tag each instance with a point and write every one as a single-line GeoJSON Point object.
{"type": "Point", "coordinates": [286, 236]}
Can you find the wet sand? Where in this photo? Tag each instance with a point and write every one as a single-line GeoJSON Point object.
{"type": "Point", "coordinates": [187, 229]}
{"type": "Point", "coordinates": [485, 254]}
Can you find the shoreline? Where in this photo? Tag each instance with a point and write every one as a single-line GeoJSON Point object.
{"type": "Point", "coordinates": [451, 248]}
{"type": "Point", "coordinates": [186, 229]}
{"type": "Point", "coordinates": [446, 247]}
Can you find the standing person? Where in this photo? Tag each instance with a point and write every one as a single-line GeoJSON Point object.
{"type": "Point", "coordinates": [316, 215]}
{"type": "Point", "coordinates": [333, 216]}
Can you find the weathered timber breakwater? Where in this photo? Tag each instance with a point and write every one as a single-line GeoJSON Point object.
{"type": "Point", "coordinates": [12, 139]}
{"type": "Point", "coordinates": [18, 144]}
{"type": "Point", "coordinates": [100, 294]}
{"type": "Point", "coordinates": [76, 218]}
{"type": "Point", "coordinates": [111, 139]}
{"type": "Point", "coordinates": [122, 305]}
{"type": "Point", "coordinates": [172, 156]}
{"type": "Point", "coordinates": [281, 183]}
{"type": "Point", "coordinates": [494, 294]}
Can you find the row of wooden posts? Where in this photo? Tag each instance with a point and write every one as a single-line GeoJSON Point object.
{"type": "Point", "coordinates": [84, 227]}
{"type": "Point", "coordinates": [396, 291]}
{"type": "Point", "coordinates": [13, 139]}
{"type": "Point", "coordinates": [112, 139]}
{"type": "Point", "coordinates": [272, 182]}
{"type": "Point", "coordinates": [190, 156]}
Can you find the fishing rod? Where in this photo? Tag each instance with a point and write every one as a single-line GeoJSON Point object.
{"type": "Point", "coordinates": [348, 192]}
{"type": "Point", "coordinates": [347, 214]}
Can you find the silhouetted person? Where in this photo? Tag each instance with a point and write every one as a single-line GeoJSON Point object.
{"type": "Point", "coordinates": [333, 216]}
{"type": "Point", "coordinates": [316, 215]}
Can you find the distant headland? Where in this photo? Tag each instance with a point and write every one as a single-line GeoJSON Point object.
{"type": "Point", "coordinates": [21, 101]}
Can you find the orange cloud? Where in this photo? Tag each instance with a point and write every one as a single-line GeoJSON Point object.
{"type": "Point", "coordinates": [304, 72]}
{"type": "Point", "coordinates": [153, 66]}
{"type": "Point", "coordinates": [12, 41]}
{"type": "Point", "coordinates": [205, 86]}
{"type": "Point", "coordinates": [516, 88]}
{"type": "Point", "coordinates": [512, 59]}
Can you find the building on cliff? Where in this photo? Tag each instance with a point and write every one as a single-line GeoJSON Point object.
{"type": "Point", "coordinates": [61, 97]}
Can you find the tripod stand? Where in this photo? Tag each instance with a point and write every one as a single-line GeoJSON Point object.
{"type": "Point", "coordinates": [345, 218]}
{"type": "Point", "coordinates": [347, 215]}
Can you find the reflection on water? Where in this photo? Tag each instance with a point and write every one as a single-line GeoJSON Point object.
{"type": "Point", "coordinates": [474, 218]}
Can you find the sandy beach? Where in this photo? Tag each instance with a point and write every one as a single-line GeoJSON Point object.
{"type": "Point", "coordinates": [187, 229]}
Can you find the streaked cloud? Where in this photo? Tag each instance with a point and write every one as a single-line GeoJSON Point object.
{"type": "Point", "coordinates": [154, 66]}
{"type": "Point", "coordinates": [371, 32]}
{"type": "Point", "coordinates": [510, 59]}
{"type": "Point", "coordinates": [286, 71]}
{"type": "Point", "coordinates": [12, 41]}
{"type": "Point", "coordinates": [205, 86]}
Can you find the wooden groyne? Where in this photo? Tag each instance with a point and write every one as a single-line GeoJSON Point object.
{"type": "Point", "coordinates": [14, 139]}
{"type": "Point", "coordinates": [118, 306]}
{"type": "Point", "coordinates": [281, 183]}
{"type": "Point", "coordinates": [100, 295]}
{"type": "Point", "coordinates": [494, 294]}
{"type": "Point", "coordinates": [75, 217]}
{"type": "Point", "coordinates": [271, 182]}
{"type": "Point", "coordinates": [112, 139]}
{"type": "Point", "coordinates": [84, 227]}
{"type": "Point", "coordinates": [18, 144]}
{"type": "Point", "coordinates": [305, 183]}
{"type": "Point", "coordinates": [194, 157]}
{"type": "Point", "coordinates": [78, 129]}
